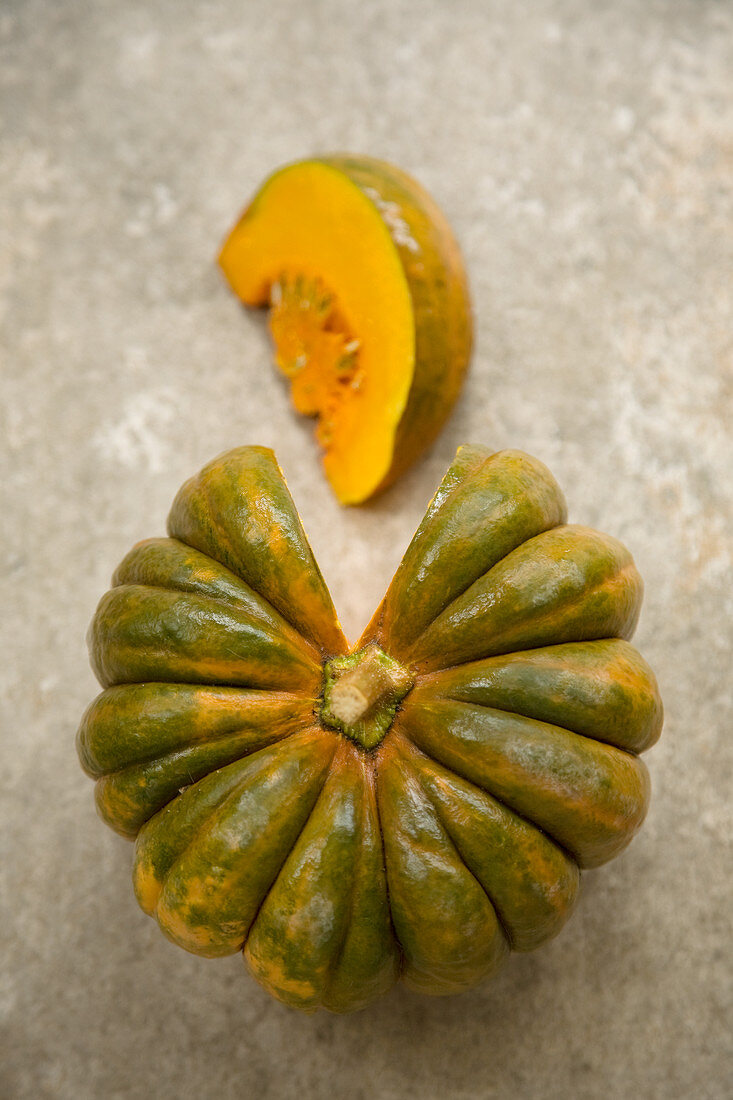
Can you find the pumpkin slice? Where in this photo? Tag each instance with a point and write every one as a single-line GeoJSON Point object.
{"type": "Point", "coordinates": [370, 313]}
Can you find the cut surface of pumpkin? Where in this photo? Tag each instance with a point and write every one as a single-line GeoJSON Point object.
{"type": "Point", "coordinates": [369, 309]}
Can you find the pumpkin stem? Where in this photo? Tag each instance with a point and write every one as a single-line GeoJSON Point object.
{"type": "Point", "coordinates": [361, 694]}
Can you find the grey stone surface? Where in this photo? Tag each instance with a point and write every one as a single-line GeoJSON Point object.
{"type": "Point", "coordinates": [583, 152]}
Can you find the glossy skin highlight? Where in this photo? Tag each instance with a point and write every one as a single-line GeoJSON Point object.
{"type": "Point", "coordinates": [336, 858]}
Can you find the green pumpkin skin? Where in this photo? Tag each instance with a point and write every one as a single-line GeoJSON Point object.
{"type": "Point", "coordinates": [510, 764]}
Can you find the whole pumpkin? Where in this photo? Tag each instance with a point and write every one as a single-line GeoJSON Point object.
{"type": "Point", "coordinates": [415, 807]}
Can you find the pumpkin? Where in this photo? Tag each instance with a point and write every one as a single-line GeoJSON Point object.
{"type": "Point", "coordinates": [369, 309]}
{"type": "Point", "coordinates": [417, 806]}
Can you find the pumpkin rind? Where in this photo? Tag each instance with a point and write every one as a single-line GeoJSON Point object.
{"type": "Point", "coordinates": [323, 935]}
{"type": "Point", "coordinates": [340, 862]}
{"type": "Point", "coordinates": [213, 886]}
{"type": "Point", "coordinates": [146, 742]}
{"type": "Point", "coordinates": [603, 689]}
{"type": "Point", "coordinates": [567, 584]}
{"type": "Point", "coordinates": [168, 563]}
{"type": "Point", "coordinates": [487, 505]}
{"type": "Point", "coordinates": [531, 882]}
{"type": "Point", "coordinates": [447, 927]}
{"type": "Point", "coordinates": [239, 512]}
{"type": "Point", "coordinates": [141, 633]}
{"type": "Point", "coordinates": [586, 795]}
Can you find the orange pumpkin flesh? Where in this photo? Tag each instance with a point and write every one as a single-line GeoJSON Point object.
{"type": "Point", "coordinates": [369, 309]}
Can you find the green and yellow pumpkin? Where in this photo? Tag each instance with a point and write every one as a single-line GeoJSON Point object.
{"type": "Point", "coordinates": [415, 807]}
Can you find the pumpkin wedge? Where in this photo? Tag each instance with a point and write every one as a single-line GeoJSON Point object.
{"type": "Point", "coordinates": [369, 309]}
{"type": "Point", "coordinates": [417, 806]}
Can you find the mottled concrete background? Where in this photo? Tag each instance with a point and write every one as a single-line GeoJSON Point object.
{"type": "Point", "coordinates": [583, 152]}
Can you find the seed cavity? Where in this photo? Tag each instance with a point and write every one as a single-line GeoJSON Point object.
{"type": "Point", "coordinates": [314, 349]}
